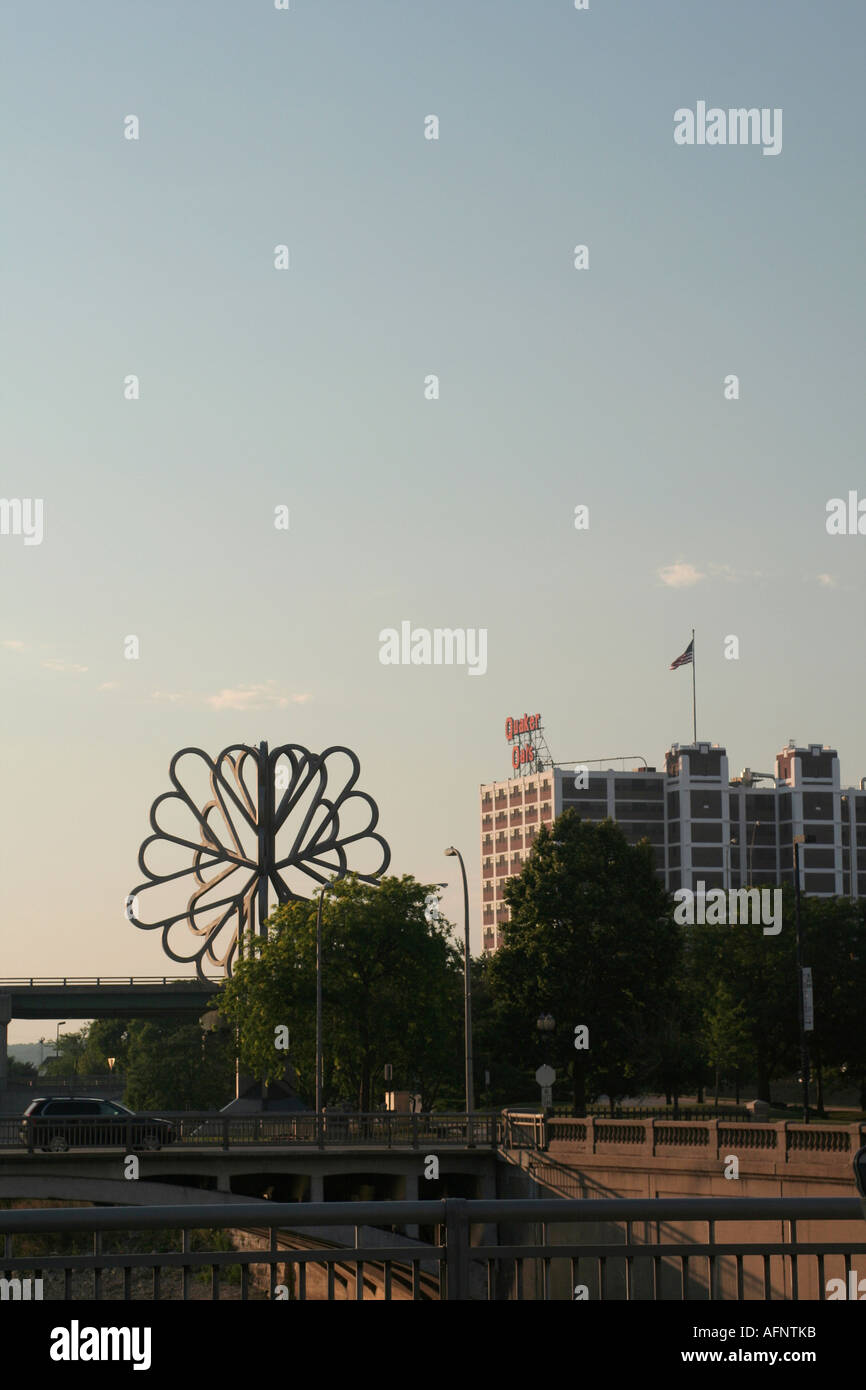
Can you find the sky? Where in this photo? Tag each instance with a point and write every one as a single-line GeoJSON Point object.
{"type": "Point", "coordinates": [308, 388]}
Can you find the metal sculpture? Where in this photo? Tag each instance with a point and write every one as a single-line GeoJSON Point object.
{"type": "Point", "coordinates": [266, 822]}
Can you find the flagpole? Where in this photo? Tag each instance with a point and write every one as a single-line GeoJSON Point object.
{"type": "Point", "coordinates": [694, 703]}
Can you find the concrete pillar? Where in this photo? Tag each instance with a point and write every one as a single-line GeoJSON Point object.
{"type": "Point", "coordinates": [5, 1017]}
{"type": "Point", "coordinates": [317, 1187]}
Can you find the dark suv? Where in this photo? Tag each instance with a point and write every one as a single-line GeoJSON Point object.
{"type": "Point", "coordinates": [59, 1123]}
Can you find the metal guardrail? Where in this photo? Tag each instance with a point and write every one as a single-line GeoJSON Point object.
{"type": "Point", "coordinates": [224, 1132]}
{"type": "Point", "coordinates": [659, 1112]}
{"type": "Point", "coordinates": [33, 981]}
{"type": "Point", "coordinates": [636, 1250]}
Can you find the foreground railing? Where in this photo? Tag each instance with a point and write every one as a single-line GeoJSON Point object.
{"type": "Point", "coordinates": [381, 1129]}
{"type": "Point", "coordinates": [608, 1249]}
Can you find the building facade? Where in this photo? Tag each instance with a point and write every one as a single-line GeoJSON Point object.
{"type": "Point", "coordinates": [703, 825]}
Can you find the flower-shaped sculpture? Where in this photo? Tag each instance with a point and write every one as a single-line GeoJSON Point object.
{"type": "Point", "coordinates": [243, 830]}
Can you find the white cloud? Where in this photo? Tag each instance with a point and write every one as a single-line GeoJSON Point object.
{"type": "Point", "coordinates": [108, 685]}
{"type": "Point", "coordinates": [55, 665]}
{"type": "Point", "coordinates": [827, 581]}
{"type": "Point", "coordinates": [14, 646]}
{"type": "Point", "coordinates": [680, 575]}
{"type": "Point", "coordinates": [250, 697]}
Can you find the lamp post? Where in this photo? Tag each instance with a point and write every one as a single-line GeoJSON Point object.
{"type": "Point", "coordinates": [467, 993]}
{"type": "Point", "coordinates": [726, 857]}
{"type": "Point", "coordinates": [61, 1024]}
{"type": "Point", "coordinates": [545, 1023]}
{"type": "Point", "coordinates": [322, 891]}
{"type": "Point", "coordinates": [804, 1048]}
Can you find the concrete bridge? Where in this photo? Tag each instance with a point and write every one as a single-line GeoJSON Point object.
{"type": "Point", "coordinates": [100, 996]}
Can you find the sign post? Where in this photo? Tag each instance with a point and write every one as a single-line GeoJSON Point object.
{"type": "Point", "coordinates": [545, 1076]}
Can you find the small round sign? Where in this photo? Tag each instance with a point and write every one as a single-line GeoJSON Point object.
{"type": "Point", "coordinates": [545, 1076]}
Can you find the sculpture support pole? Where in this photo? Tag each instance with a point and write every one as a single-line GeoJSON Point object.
{"type": "Point", "coordinates": [265, 819]}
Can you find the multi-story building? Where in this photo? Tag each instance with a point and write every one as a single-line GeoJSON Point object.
{"type": "Point", "coordinates": [703, 825]}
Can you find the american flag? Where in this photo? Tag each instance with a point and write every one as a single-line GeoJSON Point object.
{"type": "Point", "coordinates": [687, 656]}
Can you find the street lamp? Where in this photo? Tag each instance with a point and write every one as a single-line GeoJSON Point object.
{"type": "Point", "coordinates": [804, 1049]}
{"type": "Point", "coordinates": [726, 857]}
{"type": "Point", "coordinates": [61, 1024]}
{"type": "Point", "coordinates": [322, 891]}
{"type": "Point", "coordinates": [467, 992]}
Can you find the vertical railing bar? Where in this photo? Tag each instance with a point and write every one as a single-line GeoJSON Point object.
{"type": "Point", "coordinates": [740, 1285]}
{"type": "Point", "coordinates": [272, 1252]}
{"type": "Point", "coordinates": [684, 1278]}
{"type": "Point", "coordinates": [387, 1281]}
{"type": "Point", "coordinates": [186, 1247]}
{"type": "Point", "coordinates": [795, 1261]}
{"type": "Point", "coordinates": [628, 1262]}
{"type": "Point", "coordinates": [519, 1279]}
{"type": "Point", "coordinates": [416, 1281]}
{"type": "Point", "coordinates": [711, 1260]}
{"type": "Point", "coordinates": [768, 1287]}
{"type": "Point", "coordinates": [330, 1265]}
{"type": "Point", "coordinates": [215, 1283]}
{"type": "Point", "coordinates": [602, 1263]}
{"type": "Point", "coordinates": [822, 1290]}
{"type": "Point", "coordinates": [97, 1269]}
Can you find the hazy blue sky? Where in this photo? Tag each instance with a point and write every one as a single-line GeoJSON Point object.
{"type": "Point", "coordinates": [306, 387]}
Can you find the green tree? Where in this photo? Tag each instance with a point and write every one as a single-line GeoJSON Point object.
{"type": "Point", "coordinates": [391, 992]}
{"type": "Point", "coordinates": [725, 1033]}
{"type": "Point", "coordinates": [590, 941]}
{"type": "Point", "coordinates": [21, 1071]}
{"type": "Point", "coordinates": [106, 1037]}
{"type": "Point", "coordinates": [176, 1066]}
{"type": "Point", "coordinates": [759, 971]}
{"type": "Point", "coordinates": [68, 1057]}
{"type": "Point", "coordinates": [834, 935]}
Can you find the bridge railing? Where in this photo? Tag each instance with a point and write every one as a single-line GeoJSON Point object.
{"type": "Point", "coordinates": [52, 981]}
{"type": "Point", "coordinates": [605, 1250]}
{"type": "Point", "coordinates": [197, 1130]}
{"type": "Point", "coordinates": [783, 1140]}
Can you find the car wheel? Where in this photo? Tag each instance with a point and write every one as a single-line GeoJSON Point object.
{"type": "Point", "coordinates": [57, 1144]}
